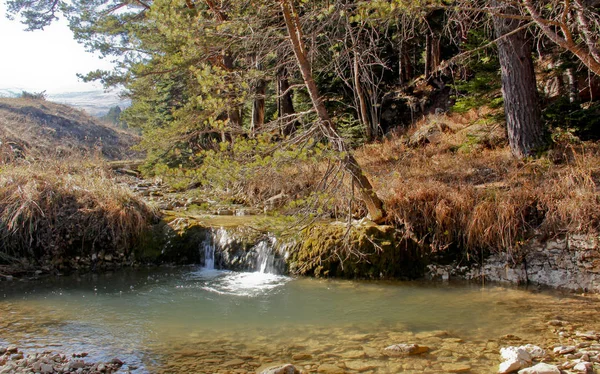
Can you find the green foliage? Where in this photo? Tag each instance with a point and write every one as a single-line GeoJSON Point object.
{"type": "Point", "coordinates": [114, 117]}
{"type": "Point", "coordinates": [582, 121]}
{"type": "Point", "coordinates": [481, 90]}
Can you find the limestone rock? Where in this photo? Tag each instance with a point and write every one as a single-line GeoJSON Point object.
{"type": "Point", "coordinates": [509, 366]}
{"type": "Point", "coordinates": [281, 369]}
{"type": "Point", "coordinates": [514, 358]}
{"type": "Point", "coordinates": [46, 368]}
{"type": "Point", "coordinates": [302, 357]}
{"type": "Point", "coordinates": [541, 368]}
{"type": "Point", "coordinates": [456, 368]}
{"type": "Point", "coordinates": [234, 362]}
{"type": "Point", "coordinates": [584, 367]}
{"type": "Point", "coordinates": [563, 350]}
{"type": "Point", "coordinates": [590, 335]}
{"type": "Point", "coordinates": [535, 351]}
{"type": "Point", "coordinates": [405, 349]}
{"type": "Point", "coordinates": [515, 353]}
{"type": "Point", "coordinates": [330, 369]}
{"type": "Point", "coordinates": [431, 133]}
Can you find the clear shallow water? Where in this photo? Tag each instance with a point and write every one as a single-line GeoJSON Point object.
{"type": "Point", "coordinates": [188, 319]}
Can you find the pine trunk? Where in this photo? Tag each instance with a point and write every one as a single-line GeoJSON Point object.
{"type": "Point", "coordinates": [285, 105]}
{"type": "Point", "coordinates": [519, 89]}
{"type": "Point", "coordinates": [369, 197]}
{"type": "Point", "coordinates": [258, 106]}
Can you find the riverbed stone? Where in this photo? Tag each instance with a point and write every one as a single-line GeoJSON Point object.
{"type": "Point", "coordinates": [535, 351]}
{"type": "Point", "coordinates": [584, 367]}
{"type": "Point", "coordinates": [279, 369]}
{"type": "Point", "coordinates": [405, 350]}
{"type": "Point", "coordinates": [330, 369]}
{"type": "Point", "coordinates": [541, 368]}
{"type": "Point", "coordinates": [456, 368]}
{"type": "Point", "coordinates": [510, 366]}
{"type": "Point", "coordinates": [564, 349]}
{"type": "Point", "coordinates": [515, 353]}
{"type": "Point", "coordinates": [363, 365]}
{"type": "Point", "coordinates": [234, 362]}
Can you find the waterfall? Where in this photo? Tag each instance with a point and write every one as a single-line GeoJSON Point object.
{"type": "Point", "coordinates": [265, 259]}
{"type": "Point", "coordinates": [225, 248]}
{"type": "Point", "coordinates": [209, 253]}
{"type": "Point", "coordinates": [216, 240]}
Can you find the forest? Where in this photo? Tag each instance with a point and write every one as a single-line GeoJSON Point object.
{"type": "Point", "coordinates": [402, 111]}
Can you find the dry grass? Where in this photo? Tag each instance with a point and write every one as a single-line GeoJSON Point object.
{"type": "Point", "coordinates": [55, 209]}
{"type": "Point", "coordinates": [39, 129]}
{"type": "Point", "coordinates": [466, 193]}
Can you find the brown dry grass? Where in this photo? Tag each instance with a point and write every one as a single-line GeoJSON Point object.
{"type": "Point", "coordinates": [40, 129]}
{"type": "Point", "coordinates": [470, 194]}
{"type": "Point", "coordinates": [55, 209]}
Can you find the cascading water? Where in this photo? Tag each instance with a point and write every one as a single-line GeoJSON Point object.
{"type": "Point", "coordinates": [208, 247]}
{"type": "Point", "coordinates": [224, 248]}
{"type": "Point", "coordinates": [265, 258]}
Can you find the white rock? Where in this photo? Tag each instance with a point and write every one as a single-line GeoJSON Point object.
{"type": "Point", "coordinates": [563, 350]}
{"type": "Point", "coordinates": [584, 367]}
{"type": "Point", "coordinates": [541, 368]}
{"type": "Point", "coordinates": [515, 354]}
{"type": "Point", "coordinates": [509, 366]}
{"type": "Point", "coordinates": [534, 351]}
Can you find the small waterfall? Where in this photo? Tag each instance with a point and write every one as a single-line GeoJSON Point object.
{"type": "Point", "coordinates": [216, 240]}
{"type": "Point", "coordinates": [209, 253]}
{"type": "Point", "coordinates": [225, 248]}
{"type": "Point", "coordinates": [265, 260]}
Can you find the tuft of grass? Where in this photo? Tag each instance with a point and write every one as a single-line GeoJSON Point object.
{"type": "Point", "coordinates": [68, 208]}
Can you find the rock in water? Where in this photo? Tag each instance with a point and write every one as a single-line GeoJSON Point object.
{"type": "Point", "coordinates": [456, 368]}
{"type": "Point", "coordinates": [330, 369]}
{"type": "Point", "coordinates": [541, 368]}
{"type": "Point", "coordinates": [405, 349]}
{"type": "Point", "coordinates": [281, 369]}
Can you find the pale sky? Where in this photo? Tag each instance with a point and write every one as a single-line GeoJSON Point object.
{"type": "Point", "coordinates": [43, 60]}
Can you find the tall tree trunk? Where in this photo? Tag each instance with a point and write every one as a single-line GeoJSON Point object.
{"type": "Point", "coordinates": [572, 85]}
{"type": "Point", "coordinates": [285, 105]}
{"type": "Point", "coordinates": [363, 111]}
{"type": "Point", "coordinates": [233, 113]}
{"type": "Point", "coordinates": [427, 55]}
{"type": "Point", "coordinates": [369, 197]}
{"type": "Point", "coordinates": [519, 89]}
{"type": "Point", "coordinates": [258, 106]}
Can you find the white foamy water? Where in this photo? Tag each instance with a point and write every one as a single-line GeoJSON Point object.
{"type": "Point", "coordinates": [239, 284]}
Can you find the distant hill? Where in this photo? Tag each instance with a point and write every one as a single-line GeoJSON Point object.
{"type": "Point", "coordinates": [39, 128]}
{"type": "Point", "coordinates": [96, 103]}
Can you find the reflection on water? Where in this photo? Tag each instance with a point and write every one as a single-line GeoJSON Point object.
{"type": "Point", "coordinates": [187, 319]}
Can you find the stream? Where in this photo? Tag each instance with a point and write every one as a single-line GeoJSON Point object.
{"type": "Point", "coordinates": [191, 319]}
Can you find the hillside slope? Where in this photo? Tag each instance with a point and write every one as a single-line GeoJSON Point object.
{"type": "Point", "coordinates": [39, 128]}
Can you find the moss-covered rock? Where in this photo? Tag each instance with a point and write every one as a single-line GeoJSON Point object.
{"type": "Point", "coordinates": [366, 251]}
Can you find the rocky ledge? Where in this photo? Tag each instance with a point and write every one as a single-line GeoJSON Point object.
{"type": "Point", "coordinates": [12, 360]}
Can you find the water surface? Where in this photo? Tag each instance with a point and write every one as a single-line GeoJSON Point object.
{"type": "Point", "coordinates": [196, 320]}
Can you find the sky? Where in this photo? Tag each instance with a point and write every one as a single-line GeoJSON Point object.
{"type": "Point", "coordinates": [45, 60]}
